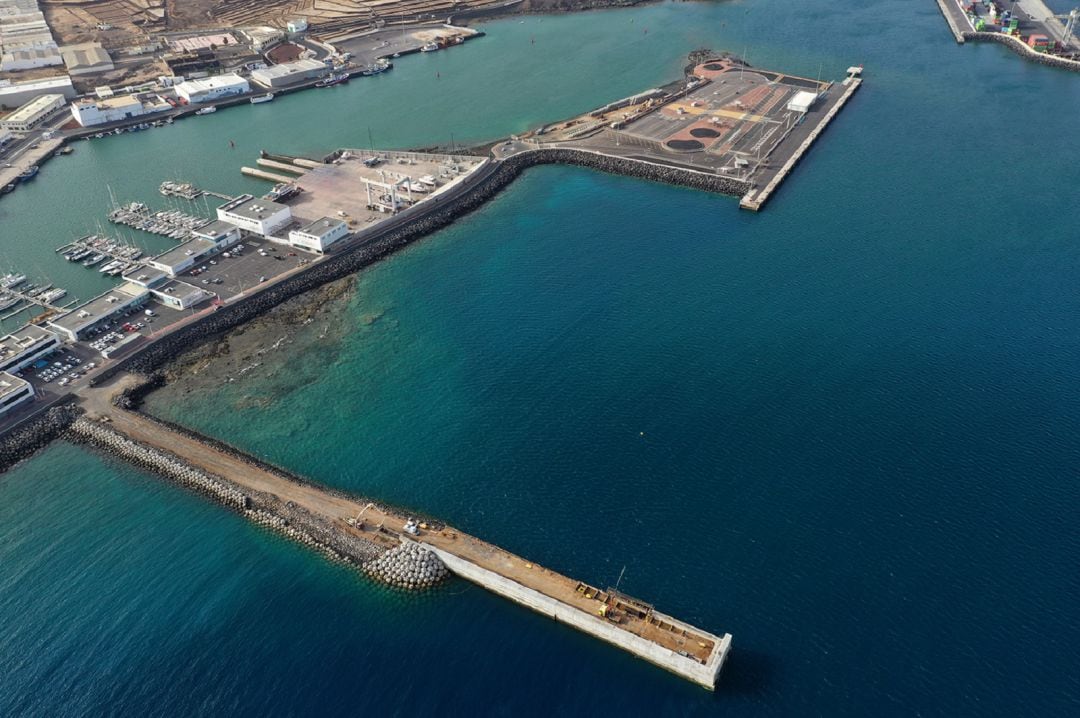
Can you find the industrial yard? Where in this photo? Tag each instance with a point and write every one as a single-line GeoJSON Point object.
{"type": "Point", "coordinates": [1028, 27]}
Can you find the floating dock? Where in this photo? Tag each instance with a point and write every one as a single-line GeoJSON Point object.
{"type": "Point", "coordinates": [613, 617]}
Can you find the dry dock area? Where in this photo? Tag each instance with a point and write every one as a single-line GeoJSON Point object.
{"type": "Point", "coordinates": [618, 619]}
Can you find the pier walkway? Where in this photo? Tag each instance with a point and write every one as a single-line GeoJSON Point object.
{"type": "Point", "coordinates": [687, 651]}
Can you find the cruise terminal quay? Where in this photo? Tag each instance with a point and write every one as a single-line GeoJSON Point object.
{"type": "Point", "coordinates": [725, 127]}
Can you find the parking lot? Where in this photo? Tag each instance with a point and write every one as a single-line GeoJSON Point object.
{"type": "Point", "coordinates": [248, 264]}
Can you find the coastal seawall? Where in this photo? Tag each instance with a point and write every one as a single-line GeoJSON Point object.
{"type": "Point", "coordinates": [382, 242]}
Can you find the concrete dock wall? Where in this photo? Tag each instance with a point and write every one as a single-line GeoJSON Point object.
{"type": "Point", "coordinates": [702, 674]}
{"type": "Point", "coordinates": [756, 200]}
{"type": "Point", "coordinates": [948, 9]}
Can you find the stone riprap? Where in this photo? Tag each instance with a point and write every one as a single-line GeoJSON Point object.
{"type": "Point", "coordinates": [409, 566]}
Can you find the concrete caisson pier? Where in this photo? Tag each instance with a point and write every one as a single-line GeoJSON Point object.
{"type": "Point", "coordinates": [703, 672]}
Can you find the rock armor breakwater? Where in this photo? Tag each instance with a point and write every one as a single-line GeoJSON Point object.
{"type": "Point", "coordinates": [1023, 50]}
{"type": "Point", "coordinates": [401, 567]}
{"type": "Point", "coordinates": [36, 433]}
{"type": "Point", "coordinates": [84, 430]}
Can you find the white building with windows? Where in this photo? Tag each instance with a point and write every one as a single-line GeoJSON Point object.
{"type": "Point", "coordinates": [90, 112]}
{"type": "Point", "coordinates": [26, 345]}
{"type": "Point", "coordinates": [319, 235]}
{"type": "Point", "coordinates": [33, 113]}
{"type": "Point", "coordinates": [258, 216]}
{"type": "Point", "coordinates": [208, 89]}
{"type": "Point", "coordinates": [14, 94]}
{"type": "Point", "coordinates": [13, 392]}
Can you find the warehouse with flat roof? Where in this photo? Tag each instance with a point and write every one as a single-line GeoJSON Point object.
{"type": "Point", "coordinates": [93, 315]}
{"type": "Point", "coordinates": [33, 113]}
{"type": "Point", "coordinates": [208, 89]}
{"type": "Point", "coordinates": [290, 73]}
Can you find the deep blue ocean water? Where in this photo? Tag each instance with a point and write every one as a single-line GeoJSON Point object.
{"type": "Point", "coordinates": [843, 430]}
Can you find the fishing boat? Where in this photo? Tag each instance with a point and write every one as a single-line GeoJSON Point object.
{"type": "Point", "coordinates": [259, 99]}
{"type": "Point", "coordinates": [430, 47]}
{"type": "Point", "coordinates": [95, 260]}
{"type": "Point", "coordinates": [9, 187]}
{"type": "Point", "coordinates": [28, 174]}
{"type": "Point", "coordinates": [337, 79]}
{"type": "Point", "coordinates": [206, 110]}
{"type": "Point", "coordinates": [380, 66]}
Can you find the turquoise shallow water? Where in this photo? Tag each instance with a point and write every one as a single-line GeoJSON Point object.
{"type": "Point", "coordinates": [843, 429]}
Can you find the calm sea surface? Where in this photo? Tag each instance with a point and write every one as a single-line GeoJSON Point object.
{"type": "Point", "coordinates": [844, 430]}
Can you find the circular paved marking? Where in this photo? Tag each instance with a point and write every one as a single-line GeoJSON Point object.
{"type": "Point", "coordinates": [684, 145]}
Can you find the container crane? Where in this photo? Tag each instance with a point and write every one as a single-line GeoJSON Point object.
{"type": "Point", "coordinates": [1071, 20]}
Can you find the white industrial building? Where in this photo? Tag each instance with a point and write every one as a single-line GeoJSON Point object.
{"type": "Point", "coordinates": [299, 24]}
{"type": "Point", "coordinates": [13, 392]}
{"type": "Point", "coordinates": [290, 73]}
{"type": "Point", "coordinates": [258, 216]}
{"type": "Point", "coordinates": [115, 109]}
{"type": "Point", "coordinates": [13, 94]}
{"type": "Point", "coordinates": [319, 235]}
{"type": "Point", "coordinates": [89, 58]}
{"type": "Point", "coordinates": [33, 113]}
{"type": "Point", "coordinates": [25, 346]}
{"type": "Point", "coordinates": [81, 321]}
{"type": "Point", "coordinates": [802, 101]}
{"type": "Point", "coordinates": [26, 43]}
{"type": "Point", "coordinates": [29, 58]}
{"type": "Point", "coordinates": [208, 89]}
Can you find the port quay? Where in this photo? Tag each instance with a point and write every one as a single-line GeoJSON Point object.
{"type": "Point", "coordinates": [725, 127]}
{"type": "Point", "coordinates": [1029, 28]}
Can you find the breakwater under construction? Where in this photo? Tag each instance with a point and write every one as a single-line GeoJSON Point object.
{"type": "Point", "coordinates": [403, 551]}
